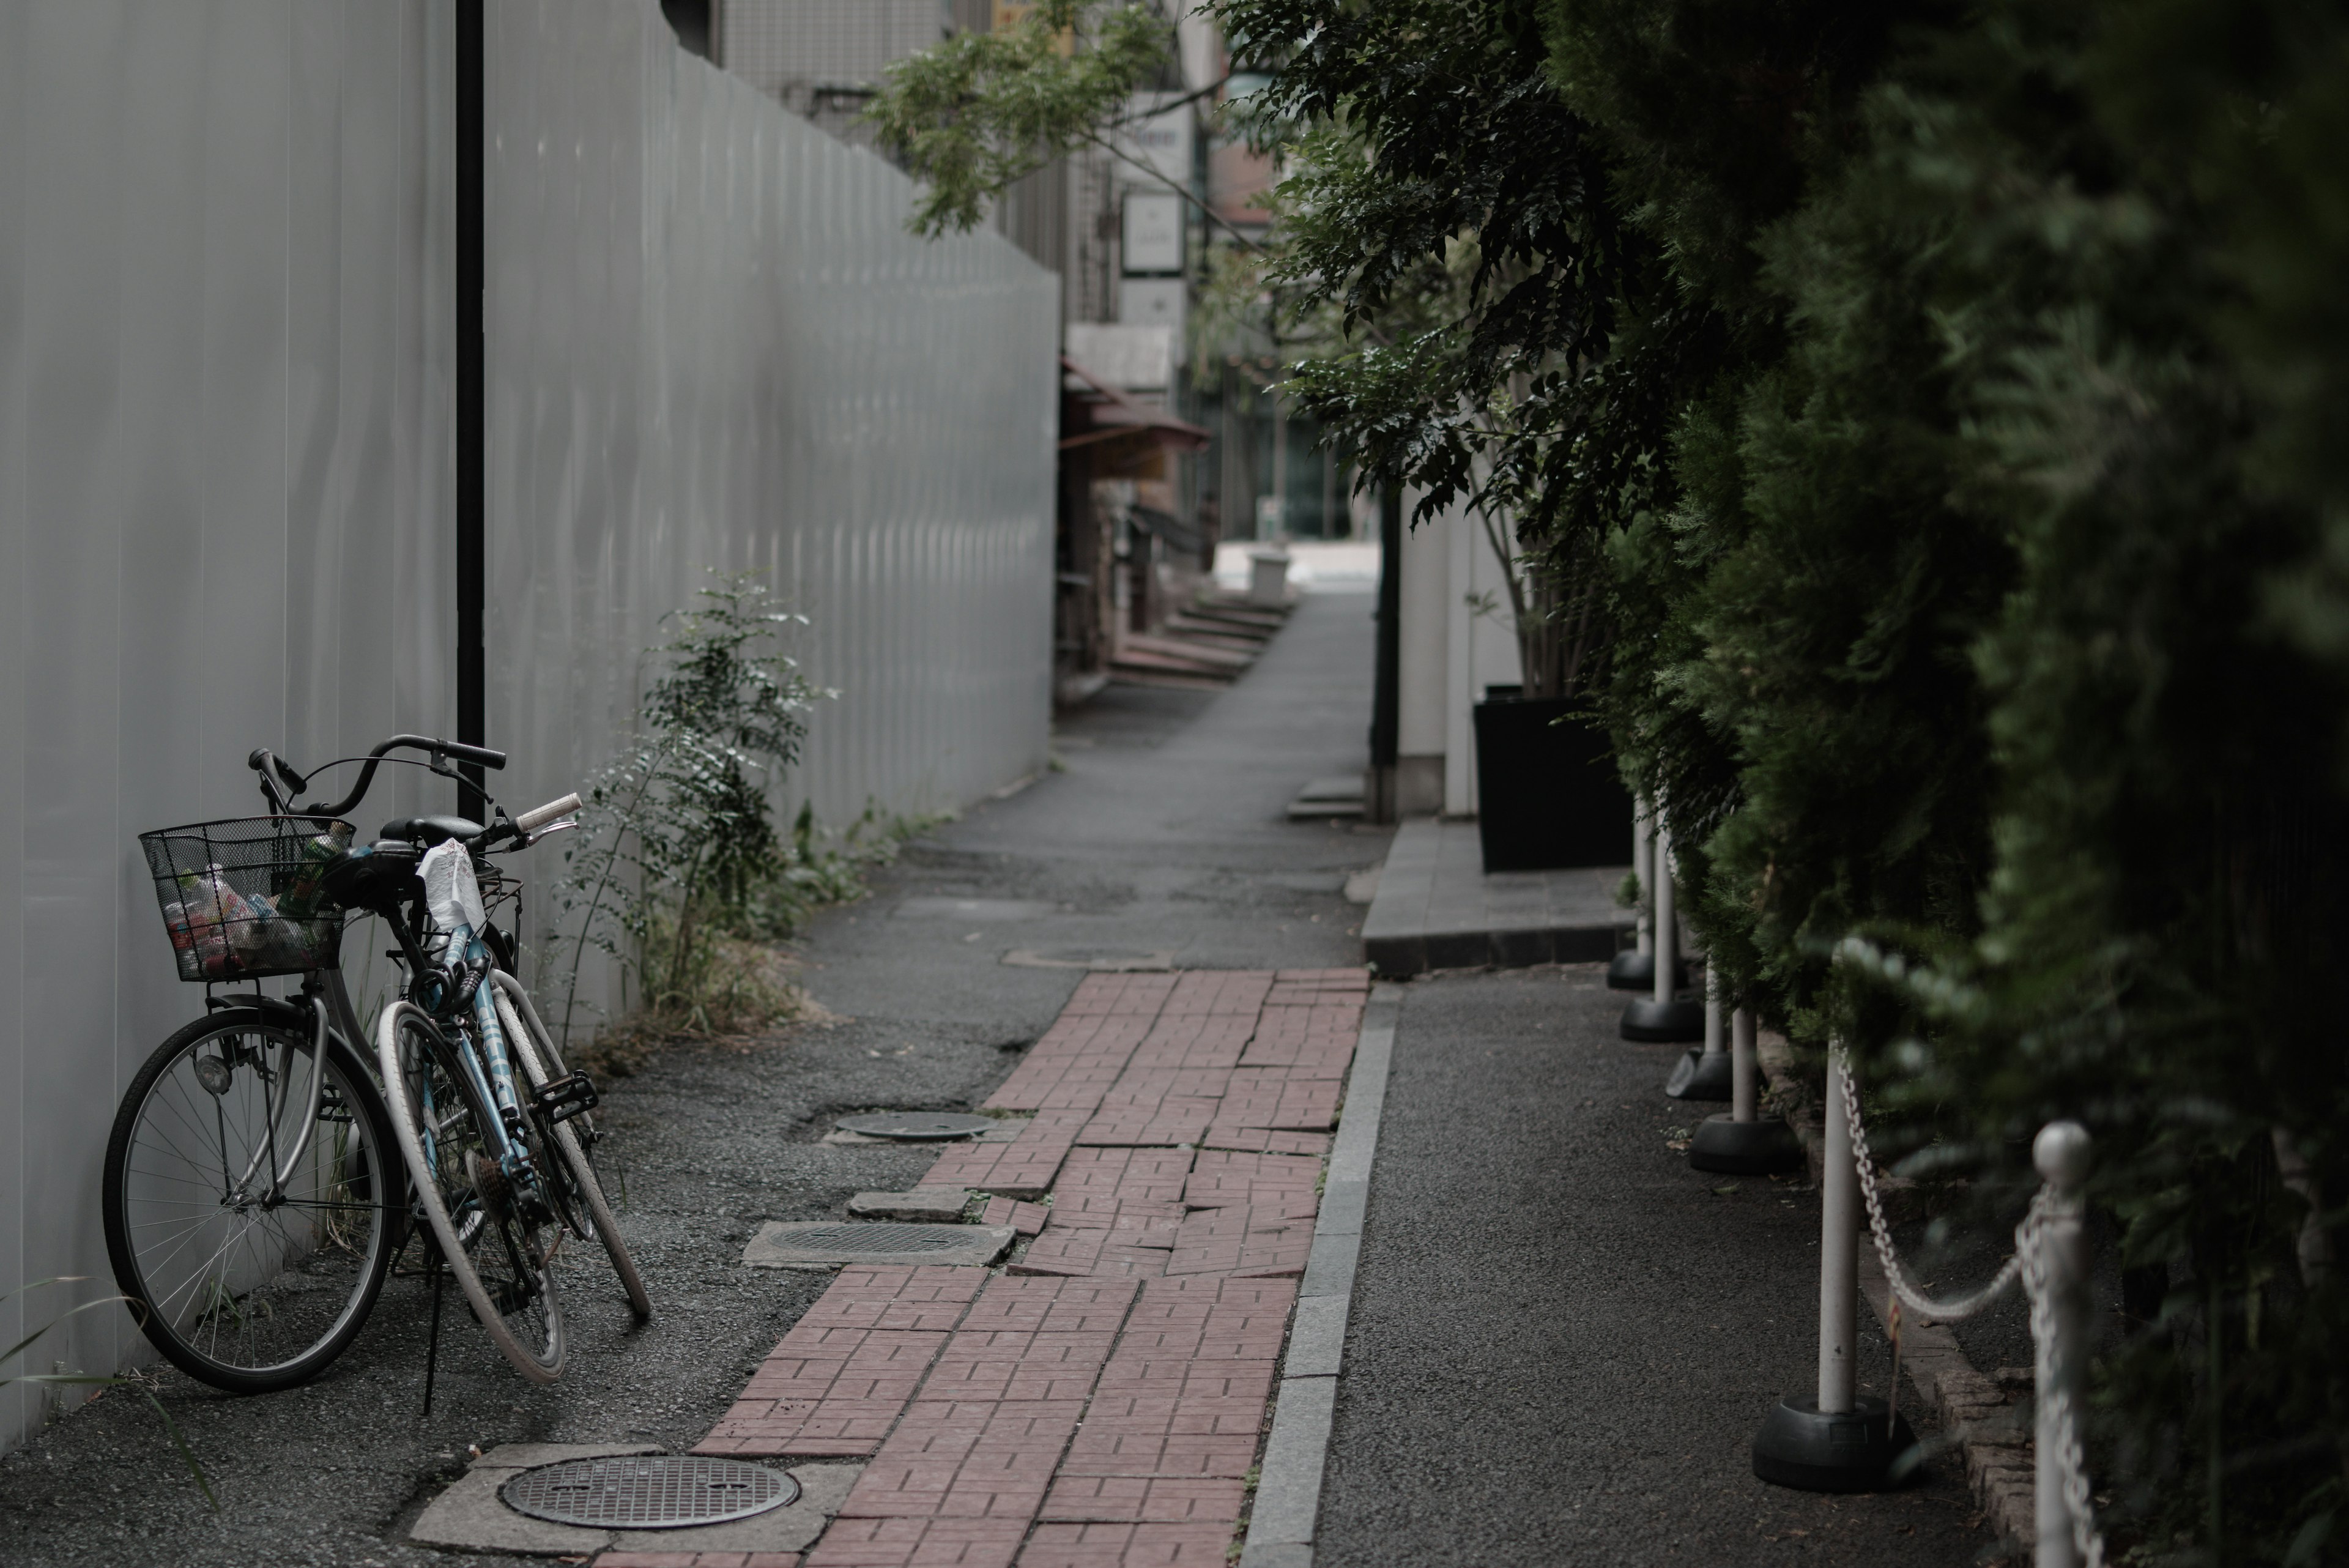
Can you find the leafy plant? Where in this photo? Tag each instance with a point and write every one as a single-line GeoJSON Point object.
{"type": "Point", "coordinates": [677, 845]}
{"type": "Point", "coordinates": [976, 113]}
{"type": "Point", "coordinates": [97, 1380]}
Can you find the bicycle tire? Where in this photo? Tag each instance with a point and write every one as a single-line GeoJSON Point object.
{"type": "Point", "coordinates": [274, 1301]}
{"type": "Point", "coordinates": [490, 1248]}
{"type": "Point", "coordinates": [528, 1037]}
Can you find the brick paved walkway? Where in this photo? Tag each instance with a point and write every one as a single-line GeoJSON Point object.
{"type": "Point", "coordinates": [1100, 1403]}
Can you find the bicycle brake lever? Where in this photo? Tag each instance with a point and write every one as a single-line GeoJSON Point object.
{"type": "Point", "coordinates": [549, 831]}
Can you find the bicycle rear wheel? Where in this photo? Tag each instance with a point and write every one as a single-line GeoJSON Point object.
{"type": "Point", "coordinates": [249, 1201]}
{"type": "Point", "coordinates": [573, 1173]}
{"type": "Point", "coordinates": [501, 1254]}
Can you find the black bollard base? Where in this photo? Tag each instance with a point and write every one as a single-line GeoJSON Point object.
{"type": "Point", "coordinates": [1632, 969]}
{"type": "Point", "coordinates": [1763, 1146]}
{"type": "Point", "coordinates": [1700, 1076]}
{"type": "Point", "coordinates": [1664, 1022]}
{"type": "Point", "coordinates": [1798, 1446]}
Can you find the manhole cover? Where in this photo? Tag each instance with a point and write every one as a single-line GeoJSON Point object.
{"type": "Point", "coordinates": [915, 1125]}
{"type": "Point", "coordinates": [654, 1491]}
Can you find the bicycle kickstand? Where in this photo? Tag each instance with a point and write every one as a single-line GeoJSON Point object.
{"type": "Point", "coordinates": [433, 1346]}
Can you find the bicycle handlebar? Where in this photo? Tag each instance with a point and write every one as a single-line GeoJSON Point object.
{"type": "Point", "coordinates": [274, 772]}
{"type": "Point", "coordinates": [532, 821]}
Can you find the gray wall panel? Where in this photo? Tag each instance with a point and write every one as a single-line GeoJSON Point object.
{"type": "Point", "coordinates": [223, 390]}
{"type": "Point", "coordinates": [16, 43]}
{"type": "Point", "coordinates": [712, 344]}
{"type": "Point", "coordinates": [226, 467]}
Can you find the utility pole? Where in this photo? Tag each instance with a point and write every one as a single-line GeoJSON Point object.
{"type": "Point", "coordinates": [472, 407]}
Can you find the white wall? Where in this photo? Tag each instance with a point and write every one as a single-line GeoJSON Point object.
{"type": "Point", "coordinates": [1482, 651]}
{"type": "Point", "coordinates": [226, 471]}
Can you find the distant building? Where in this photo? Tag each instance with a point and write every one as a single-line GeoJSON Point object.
{"type": "Point", "coordinates": [1193, 458]}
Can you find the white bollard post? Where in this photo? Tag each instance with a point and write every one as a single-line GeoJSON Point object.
{"type": "Point", "coordinates": [1838, 1254]}
{"type": "Point", "coordinates": [2061, 1153]}
{"type": "Point", "coordinates": [1661, 1017]}
{"type": "Point", "coordinates": [1632, 969]}
{"type": "Point", "coordinates": [1642, 854]}
{"type": "Point", "coordinates": [1667, 941]}
{"type": "Point", "coordinates": [1705, 1075]}
{"type": "Point", "coordinates": [1746, 1071]}
{"type": "Point", "coordinates": [1744, 1142]}
{"type": "Point", "coordinates": [1840, 1441]}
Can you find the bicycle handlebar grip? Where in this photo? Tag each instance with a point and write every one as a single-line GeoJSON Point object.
{"type": "Point", "coordinates": [465, 753]}
{"type": "Point", "coordinates": [532, 821]}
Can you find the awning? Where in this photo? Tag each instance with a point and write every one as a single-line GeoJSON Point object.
{"type": "Point", "coordinates": [1119, 415]}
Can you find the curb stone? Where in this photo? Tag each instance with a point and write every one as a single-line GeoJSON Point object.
{"type": "Point", "coordinates": [1288, 1501]}
{"type": "Point", "coordinates": [1994, 1435]}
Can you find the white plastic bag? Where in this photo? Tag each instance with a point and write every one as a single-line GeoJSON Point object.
{"type": "Point", "coordinates": [451, 895]}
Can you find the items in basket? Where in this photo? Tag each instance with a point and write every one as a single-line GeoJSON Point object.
{"type": "Point", "coordinates": [219, 932]}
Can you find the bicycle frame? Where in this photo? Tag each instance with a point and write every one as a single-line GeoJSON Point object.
{"type": "Point", "coordinates": [481, 1049]}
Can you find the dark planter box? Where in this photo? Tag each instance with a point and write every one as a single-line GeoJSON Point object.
{"type": "Point", "coordinates": [1548, 794]}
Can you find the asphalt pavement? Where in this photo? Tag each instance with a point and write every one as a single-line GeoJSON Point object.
{"type": "Point", "coordinates": [1163, 831]}
{"type": "Point", "coordinates": [1562, 1338]}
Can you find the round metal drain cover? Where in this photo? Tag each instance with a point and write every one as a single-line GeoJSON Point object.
{"type": "Point", "coordinates": [648, 1491]}
{"type": "Point", "coordinates": [915, 1125]}
{"type": "Point", "coordinates": [880, 1238]}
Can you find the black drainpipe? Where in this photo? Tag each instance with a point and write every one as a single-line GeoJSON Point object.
{"type": "Point", "coordinates": [1386, 699]}
{"type": "Point", "coordinates": [472, 471]}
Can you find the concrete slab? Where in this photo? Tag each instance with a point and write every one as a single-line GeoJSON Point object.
{"type": "Point", "coordinates": [937, 1205]}
{"type": "Point", "coordinates": [1434, 907]}
{"type": "Point", "coordinates": [826, 1244]}
{"type": "Point", "coordinates": [470, 1516]}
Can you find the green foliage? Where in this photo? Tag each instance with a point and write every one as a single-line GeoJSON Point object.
{"type": "Point", "coordinates": [977, 112]}
{"type": "Point", "coordinates": [1954, 397]}
{"type": "Point", "coordinates": [677, 849]}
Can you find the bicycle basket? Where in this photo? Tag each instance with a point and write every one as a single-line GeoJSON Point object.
{"type": "Point", "coordinates": [240, 897]}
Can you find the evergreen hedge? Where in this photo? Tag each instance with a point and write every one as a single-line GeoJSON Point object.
{"type": "Point", "coordinates": [1960, 397]}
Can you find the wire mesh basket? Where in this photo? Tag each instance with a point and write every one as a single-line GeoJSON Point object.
{"type": "Point", "coordinates": [242, 897]}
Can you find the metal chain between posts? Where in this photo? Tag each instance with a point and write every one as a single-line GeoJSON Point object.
{"type": "Point", "coordinates": [2028, 1263]}
{"type": "Point", "coordinates": [1947, 1312]}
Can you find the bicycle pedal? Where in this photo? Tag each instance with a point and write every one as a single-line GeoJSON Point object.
{"type": "Point", "coordinates": [565, 1097]}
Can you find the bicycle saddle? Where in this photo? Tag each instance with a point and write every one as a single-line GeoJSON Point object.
{"type": "Point", "coordinates": [427, 831]}
{"type": "Point", "coordinates": [378, 876]}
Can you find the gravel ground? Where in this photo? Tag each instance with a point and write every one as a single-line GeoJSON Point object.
{"type": "Point", "coordinates": [1165, 832]}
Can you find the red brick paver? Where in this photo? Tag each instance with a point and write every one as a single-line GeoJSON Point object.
{"type": "Point", "coordinates": [837, 1382]}
{"type": "Point", "coordinates": [1100, 1403]}
{"type": "Point", "coordinates": [1023, 1168]}
{"type": "Point", "coordinates": [918, 1543]}
{"type": "Point", "coordinates": [1028, 1219]}
{"type": "Point", "coordinates": [1127, 1546]}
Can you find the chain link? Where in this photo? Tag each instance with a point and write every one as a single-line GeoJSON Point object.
{"type": "Point", "coordinates": [2028, 1263]}
{"type": "Point", "coordinates": [1946, 1312]}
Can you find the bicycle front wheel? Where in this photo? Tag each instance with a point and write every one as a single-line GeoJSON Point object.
{"type": "Point", "coordinates": [500, 1252]}
{"type": "Point", "coordinates": [572, 1172]}
{"type": "Point", "coordinates": [250, 1200]}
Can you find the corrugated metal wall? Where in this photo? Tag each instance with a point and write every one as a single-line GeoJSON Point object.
{"type": "Point", "coordinates": [225, 464]}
